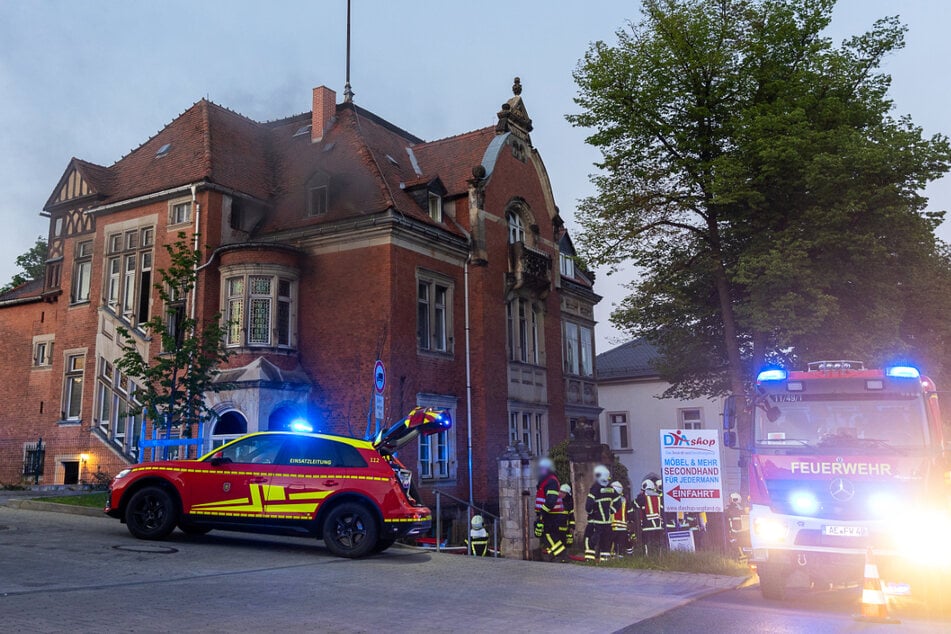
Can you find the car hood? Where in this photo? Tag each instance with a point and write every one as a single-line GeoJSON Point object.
{"type": "Point", "coordinates": [421, 421]}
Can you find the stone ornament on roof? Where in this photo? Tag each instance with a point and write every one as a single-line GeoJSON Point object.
{"type": "Point", "coordinates": [513, 117]}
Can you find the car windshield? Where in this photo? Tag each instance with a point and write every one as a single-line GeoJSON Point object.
{"type": "Point", "coordinates": [824, 421]}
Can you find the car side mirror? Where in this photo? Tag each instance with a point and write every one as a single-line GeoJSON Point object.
{"type": "Point", "coordinates": [729, 414]}
{"type": "Point", "coordinates": [729, 439]}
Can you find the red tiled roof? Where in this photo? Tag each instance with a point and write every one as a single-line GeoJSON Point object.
{"type": "Point", "coordinates": [453, 158]}
{"type": "Point", "coordinates": [30, 288]}
{"type": "Point", "coordinates": [363, 156]}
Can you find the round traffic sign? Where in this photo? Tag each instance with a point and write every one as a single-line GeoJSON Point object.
{"type": "Point", "coordinates": [379, 376]}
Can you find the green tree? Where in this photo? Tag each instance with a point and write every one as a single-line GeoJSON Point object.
{"type": "Point", "coordinates": [32, 265]}
{"type": "Point", "coordinates": [757, 179]}
{"type": "Point", "coordinates": [173, 382]}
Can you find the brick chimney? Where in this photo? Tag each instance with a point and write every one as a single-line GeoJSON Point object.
{"type": "Point", "coordinates": [325, 107]}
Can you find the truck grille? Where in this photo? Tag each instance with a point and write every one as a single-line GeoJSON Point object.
{"type": "Point", "coordinates": [860, 506]}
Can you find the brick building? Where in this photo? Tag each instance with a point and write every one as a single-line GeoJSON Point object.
{"type": "Point", "coordinates": [333, 238]}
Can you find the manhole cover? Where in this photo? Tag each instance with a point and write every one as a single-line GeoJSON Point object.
{"type": "Point", "coordinates": [154, 550]}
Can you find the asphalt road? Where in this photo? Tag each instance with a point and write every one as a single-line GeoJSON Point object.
{"type": "Point", "coordinates": [815, 612]}
{"type": "Point", "coordinates": [87, 574]}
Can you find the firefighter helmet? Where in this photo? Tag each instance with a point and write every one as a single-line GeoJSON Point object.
{"type": "Point", "coordinates": [566, 489]}
{"type": "Point", "coordinates": [659, 484]}
{"type": "Point", "coordinates": [618, 487]}
{"type": "Point", "coordinates": [477, 522]}
{"type": "Point", "coordinates": [648, 485]}
{"type": "Point", "coordinates": [735, 498]}
{"type": "Point", "coordinates": [602, 475]}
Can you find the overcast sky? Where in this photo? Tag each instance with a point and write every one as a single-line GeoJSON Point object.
{"type": "Point", "coordinates": [96, 79]}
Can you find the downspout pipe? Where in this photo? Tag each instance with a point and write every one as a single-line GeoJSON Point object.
{"type": "Point", "coordinates": [465, 275]}
{"type": "Point", "coordinates": [197, 207]}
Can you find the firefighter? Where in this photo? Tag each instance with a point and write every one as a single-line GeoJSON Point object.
{"type": "Point", "coordinates": [739, 534]}
{"type": "Point", "coordinates": [478, 537]}
{"type": "Point", "coordinates": [652, 524]}
{"type": "Point", "coordinates": [568, 521]}
{"type": "Point", "coordinates": [619, 530]}
{"type": "Point", "coordinates": [600, 507]}
{"type": "Point", "coordinates": [550, 510]}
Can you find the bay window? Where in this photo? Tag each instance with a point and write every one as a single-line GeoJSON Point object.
{"type": "Point", "coordinates": [260, 309]}
{"type": "Point", "coordinates": [578, 349]}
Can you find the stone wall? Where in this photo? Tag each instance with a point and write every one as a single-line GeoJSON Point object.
{"type": "Point", "coordinates": [517, 503]}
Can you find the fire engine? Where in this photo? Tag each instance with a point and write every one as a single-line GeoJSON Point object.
{"type": "Point", "coordinates": [841, 461]}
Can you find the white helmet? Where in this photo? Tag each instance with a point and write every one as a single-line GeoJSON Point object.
{"type": "Point", "coordinates": [648, 485]}
{"type": "Point", "coordinates": [477, 522]}
{"type": "Point", "coordinates": [735, 498]}
{"type": "Point", "coordinates": [659, 484]}
{"type": "Point", "coordinates": [566, 488]}
{"type": "Point", "coordinates": [546, 466]}
{"type": "Point", "coordinates": [602, 475]}
{"type": "Point", "coordinates": [618, 487]}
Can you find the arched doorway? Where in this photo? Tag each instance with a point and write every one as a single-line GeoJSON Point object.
{"type": "Point", "coordinates": [282, 417]}
{"type": "Point", "coordinates": [230, 425]}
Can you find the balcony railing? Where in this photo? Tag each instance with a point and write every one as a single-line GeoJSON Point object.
{"type": "Point", "coordinates": [530, 268]}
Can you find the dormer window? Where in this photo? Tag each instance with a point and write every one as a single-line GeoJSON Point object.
{"type": "Point", "coordinates": [516, 228]}
{"type": "Point", "coordinates": [567, 265]}
{"type": "Point", "coordinates": [435, 207]}
{"type": "Point", "coordinates": [317, 201]}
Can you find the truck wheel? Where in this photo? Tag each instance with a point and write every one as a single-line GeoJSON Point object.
{"type": "Point", "coordinates": [151, 513]}
{"type": "Point", "coordinates": [350, 530]}
{"type": "Point", "coordinates": [772, 582]}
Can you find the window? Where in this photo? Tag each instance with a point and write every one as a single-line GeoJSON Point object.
{"type": "Point", "coordinates": [127, 279]}
{"type": "Point", "coordinates": [579, 349]}
{"type": "Point", "coordinates": [567, 265]}
{"type": "Point", "coordinates": [524, 323]}
{"type": "Point", "coordinates": [262, 449]}
{"type": "Point", "coordinates": [690, 418]}
{"type": "Point", "coordinates": [530, 429]}
{"type": "Point", "coordinates": [433, 315]}
{"type": "Point", "coordinates": [435, 207]}
{"type": "Point", "coordinates": [317, 201]}
{"type": "Point", "coordinates": [118, 414]}
{"type": "Point", "coordinates": [73, 386]}
{"type": "Point", "coordinates": [620, 437]}
{"type": "Point", "coordinates": [260, 310]}
{"type": "Point", "coordinates": [82, 271]}
{"type": "Point", "coordinates": [180, 213]}
{"type": "Point", "coordinates": [516, 228]}
{"type": "Point", "coordinates": [305, 451]}
{"type": "Point", "coordinates": [42, 352]}
{"type": "Point", "coordinates": [437, 452]}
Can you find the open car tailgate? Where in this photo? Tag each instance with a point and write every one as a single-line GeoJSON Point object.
{"type": "Point", "coordinates": [421, 421]}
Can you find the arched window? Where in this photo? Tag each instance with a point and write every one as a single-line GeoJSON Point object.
{"type": "Point", "coordinates": [230, 425]}
{"type": "Point", "coordinates": [516, 227]}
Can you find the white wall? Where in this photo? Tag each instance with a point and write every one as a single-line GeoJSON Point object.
{"type": "Point", "coordinates": [647, 415]}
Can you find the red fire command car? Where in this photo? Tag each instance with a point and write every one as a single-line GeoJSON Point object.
{"type": "Point", "coordinates": [353, 494]}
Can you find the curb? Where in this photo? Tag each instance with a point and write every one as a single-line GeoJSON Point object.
{"type": "Point", "coordinates": [52, 507]}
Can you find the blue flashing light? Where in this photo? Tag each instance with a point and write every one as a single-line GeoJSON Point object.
{"type": "Point", "coordinates": [301, 425]}
{"type": "Point", "coordinates": [804, 503]}
{"type": "Point", "coordinates": [773, 374]}
{"type": "Point", "coordinates": [444, 419]}
{"type": "Point", "coordinates": [903, 372]}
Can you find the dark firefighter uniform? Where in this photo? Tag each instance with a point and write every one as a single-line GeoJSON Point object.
{"type": "Point", "coordinates": [619, 530]}
{"type": "Point", "coordinates": [550, 511]}
{"type": "Point", "coordinates": [600, 507]}
{"type": "Point", "coordinates": [652, 523]}
{"type": "Point", "coordinates": [567, 525]}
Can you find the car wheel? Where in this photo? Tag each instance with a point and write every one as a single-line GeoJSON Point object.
{"type": "Point", "coordinates": [151, 513]}
{"type": "Point", "coordinates": [772, 582]}
{"type": "Point", "coordinates": [383, 544]}
{"type": "Point", "coordinates": [350, 530]}
{"type": "Point", "coordinates": [191, 529]}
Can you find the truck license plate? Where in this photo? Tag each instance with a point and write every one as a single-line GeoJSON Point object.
{"type": "Point", "coordinates": [845, 531]}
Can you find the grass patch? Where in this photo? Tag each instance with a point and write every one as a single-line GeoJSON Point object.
{"type": "Point", "coordinates": [90, 500]}
{"type": "Point", "coordinates": [702, 562]}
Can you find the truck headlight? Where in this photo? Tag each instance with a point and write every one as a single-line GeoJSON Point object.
{"type": "Point", "coordinates": [770, 529]}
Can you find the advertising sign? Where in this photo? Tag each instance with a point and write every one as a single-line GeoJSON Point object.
{"type": "Point", "coordinates": [690, 468]}
{"type": "Point", "coordinates": [681, 540]}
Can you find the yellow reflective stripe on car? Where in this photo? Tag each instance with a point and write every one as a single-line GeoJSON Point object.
{"type": "Point", "coordinates": [410, 519]}
{"type": "Point", "coordinates": [267, 474]}
{"type": "Point", "coordinates": [266, 500]}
